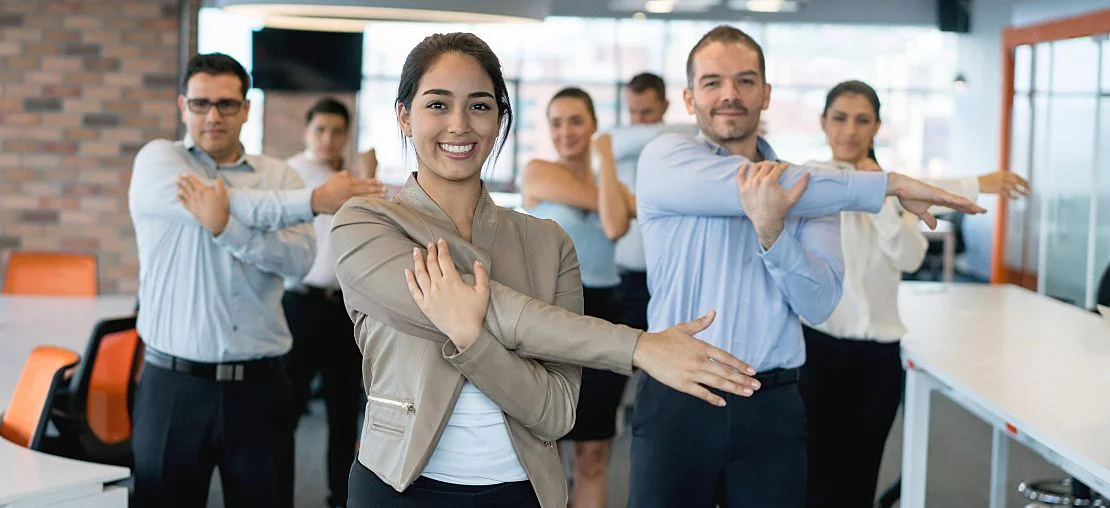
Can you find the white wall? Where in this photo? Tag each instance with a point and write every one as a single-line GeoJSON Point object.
{"type": "Point", "coordinates": [1027, 12]}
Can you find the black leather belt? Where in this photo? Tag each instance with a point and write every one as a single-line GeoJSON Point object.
{"type": "Point", "coordinates": [223, 372]}
{"type": "Point", "coordinates": [330, 294]}
{"type": "Point", "coordinates": [777, 377]}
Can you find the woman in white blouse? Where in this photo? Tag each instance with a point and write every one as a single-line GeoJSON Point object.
{"type": "Point", "coordinates": [852, 379]}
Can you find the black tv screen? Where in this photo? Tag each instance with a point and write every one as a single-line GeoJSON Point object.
{"type": "Point", "coordinates": [307, 61]}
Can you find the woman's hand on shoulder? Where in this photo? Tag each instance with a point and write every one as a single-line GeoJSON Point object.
{"type": "Point", "coordinates": [455, 306]}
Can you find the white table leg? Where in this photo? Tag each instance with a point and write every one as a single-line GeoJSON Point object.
{"type": "Point", "coordinates": [949, 256]}
{"type": "Point", "coordinates": [1000, 465]}
{"type": "Point", "coordinates": [915, 438]}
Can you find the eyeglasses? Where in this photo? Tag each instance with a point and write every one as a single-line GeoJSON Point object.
{"type": "Point", "coordinates": [226, 107]}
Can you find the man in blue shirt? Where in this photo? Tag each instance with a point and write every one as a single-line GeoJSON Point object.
{"type": "Point", "coordinates": [214, 392]}
{"type": "Point", "coordinates": [727, 227]}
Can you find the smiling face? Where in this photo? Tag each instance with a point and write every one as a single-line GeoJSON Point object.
{"type": "Point", "coordinates": [850, 125]}
{"type": "Point", "coordinates": [454, 120]}
{"type": "Point", "coordinates": [571, 126]}
{"type": "Point", "coordinates": [728, 92]}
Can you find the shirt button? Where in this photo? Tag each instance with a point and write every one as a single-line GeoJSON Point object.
{"type": "Point", "coordinates": [234, 328]}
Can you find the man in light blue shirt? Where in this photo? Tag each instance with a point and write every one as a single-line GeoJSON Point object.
{"type": "Point", "coordinates": [717, 236]}
{"type": "Point", "coordinates": [211, 262]}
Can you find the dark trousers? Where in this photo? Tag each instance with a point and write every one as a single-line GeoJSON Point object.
{"type": "Point", "coordinates": [368, 491]}
{"type": "Point", "coordinates": [687, 453]}
{"type": "Point", "coordinates": [851, 389]}
{"type": "Point", "coordinates": [601, 390]}
{"type": "Point", "coordinates": [634, 299]}
{"type": "Point", "coordinates": [323, 342]}
{"type": "Point", "coordinates": [186, 425]}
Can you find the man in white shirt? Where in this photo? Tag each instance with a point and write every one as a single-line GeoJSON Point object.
{"type": "Point", "coordinates": [322, 331]}
{"type": "Point", "coordinates": [647, 103]}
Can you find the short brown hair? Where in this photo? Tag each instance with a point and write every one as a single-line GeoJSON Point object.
{"type": "Point", "coordinates": [645, 81]}
{"type": "Point", "coordinates": [729, 34]}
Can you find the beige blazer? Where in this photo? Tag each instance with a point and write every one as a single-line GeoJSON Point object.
{"type": "Point", "coordinates": [412, 374]}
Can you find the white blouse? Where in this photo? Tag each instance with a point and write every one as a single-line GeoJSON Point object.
{"type": "Point", "coordinates": [877, 248]}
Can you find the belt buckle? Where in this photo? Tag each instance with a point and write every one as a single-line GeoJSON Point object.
{"type": "Point", "coordinates": [229, 372]}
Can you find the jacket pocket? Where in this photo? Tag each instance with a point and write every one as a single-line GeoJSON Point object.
{"type": "Point", "coordinates": [387, 428]}
{"type": "Point", "coordinates": [389, 415]}
{"type": "Point", "coordinates": [403, 405]}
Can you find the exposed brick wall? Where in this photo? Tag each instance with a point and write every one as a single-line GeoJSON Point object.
{"type": "Point", "coordinates": [83, 85]}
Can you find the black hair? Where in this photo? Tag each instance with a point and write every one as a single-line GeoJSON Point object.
{"type": "Point", "coordinates": [328, 106]}
{"type": "Point", "coordinates": [216, 64]}
{"type": "Point", "coordinates": [434, 46]}
{"type": "Point", "coordinates": [574, 92]}
{"type": "Point", "coordinates": [859, 88]}
{"type": "Point", "coordinates": [647, 81]}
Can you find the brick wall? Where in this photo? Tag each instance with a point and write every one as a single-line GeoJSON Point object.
{"type": "Point", "coordinates": [83, 85]}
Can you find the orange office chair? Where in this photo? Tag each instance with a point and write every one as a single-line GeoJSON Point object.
{"type": "Point", "coordinates": [24, 422]}
{"type": "Point", "coordinates": [94, 417]}
{"type": "Point", "coordinates": [51, 273]}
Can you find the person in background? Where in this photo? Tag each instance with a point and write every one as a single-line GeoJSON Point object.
{"type": "Point", "coordinates": [217, 229]}
{"type": "Point", "coordinates": [647, 103]}
{"type": "Point", "coordinates": [322, 331]}
{"type": "Point", "coordinates": [851, 382]}
{"type": "Point", "coordinates": [726, 224]}
{"type": "Point", "coordinates": [646, 96]}
{"type": "Point", "coordinates": [469, 377]}
{"type": "Point", "coordinates": [594, 214]}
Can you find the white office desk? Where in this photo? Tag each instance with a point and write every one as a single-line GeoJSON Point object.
{"type": "Point", "coordinates": [1035, 369]}
{"type": "Point", "coordinates": [29, 478]}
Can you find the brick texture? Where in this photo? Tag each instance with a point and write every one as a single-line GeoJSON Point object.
{"type": "Point", "coordinates": [83, 84]}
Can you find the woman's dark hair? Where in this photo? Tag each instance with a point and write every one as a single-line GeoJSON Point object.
{"type": "Point", "coordinates": [434, 46]}
{"type": "Point", "coordinates": [574, 92]}
{"type": "Point", "coordinates": [858, 88]}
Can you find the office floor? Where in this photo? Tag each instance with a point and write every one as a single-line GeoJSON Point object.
{"type": "Point", "coordinates": [959, 462]}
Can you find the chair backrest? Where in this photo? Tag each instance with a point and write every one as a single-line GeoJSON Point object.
{"type": "Point", "coordinates": [101, 389]}
{"type": "Point", "coordinates": [51, 273]}
{"type": "Point", "coordinates": [24, 421]}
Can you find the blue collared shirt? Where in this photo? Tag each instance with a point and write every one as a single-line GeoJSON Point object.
{"type": "Point", "coordinates": [703, 254]}
{"type": "Point", "coordinates": [217, 299]}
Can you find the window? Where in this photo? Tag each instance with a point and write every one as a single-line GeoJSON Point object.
{"type": "Point", "coordinates": [912, 74]}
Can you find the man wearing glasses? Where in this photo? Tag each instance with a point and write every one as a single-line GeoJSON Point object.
{"type": "Point", "coordinates": [217, 230]}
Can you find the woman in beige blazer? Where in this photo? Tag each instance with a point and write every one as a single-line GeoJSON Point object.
{"type": "Point", "coordinates": [467, 376]}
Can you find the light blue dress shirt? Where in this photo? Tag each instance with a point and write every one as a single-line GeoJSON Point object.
{"type": "Point", "coordinates": [595, 250]}
{"type": "Point", "coordinates": [217, 299]}
{"type": "Point", "coordinates": [703, 254]}
{"type": "Point", "coordinates": [628, 142]}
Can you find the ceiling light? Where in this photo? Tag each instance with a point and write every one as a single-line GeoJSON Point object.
{"type": "Point", "coordinates": [767, 5]}
{"type": "Point", "coordinates": [659, 6]}
{"type": "Point", "coordinates": [352, 15]}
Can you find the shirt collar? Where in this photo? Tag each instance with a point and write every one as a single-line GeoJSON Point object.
{"type": "Point", "coordinates": [484, 228]}
{"type": "Point", "coordinates": [308, 155]}
{"type": "Point", "coordinates": [240, 164]}
{"type": "Point", "coordinates": [762, 147]}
